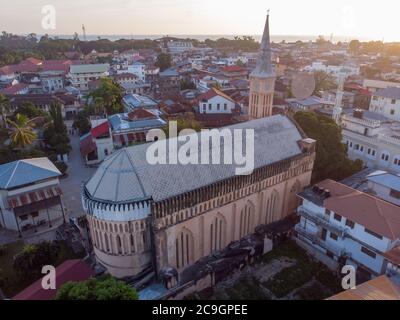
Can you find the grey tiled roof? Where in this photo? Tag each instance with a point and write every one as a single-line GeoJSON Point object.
{"type": "Point", "coordinates": [24, 172]}
{"type": "Point", "coordinates": [126, 176]}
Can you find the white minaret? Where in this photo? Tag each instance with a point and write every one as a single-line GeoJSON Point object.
{"type": "Point", "coordinates": [337, 109]}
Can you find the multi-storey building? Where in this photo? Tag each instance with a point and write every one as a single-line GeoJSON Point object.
{"type": "Point", "coordinates": [387, 103]}
{"type": "Point", "coordinates": [373, 139]}
{"type": "Point", "coordinates": [342, 226]}
{"type": "Point", "coordinates": [81, 75]}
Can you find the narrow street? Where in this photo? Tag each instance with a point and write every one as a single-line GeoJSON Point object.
{"type": "Point", "coordinates": [78, 173]}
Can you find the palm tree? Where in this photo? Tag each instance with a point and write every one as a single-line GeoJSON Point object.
{"type": "Point", "coordinates": [98, 105]}
{"type": "Point", "coordinates": [21, 131]}
{"type": "Point", "coordinates": [4, 108]}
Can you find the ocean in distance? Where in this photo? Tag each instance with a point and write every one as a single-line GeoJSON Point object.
{"type": "Point", "coordinates": [274, 38]}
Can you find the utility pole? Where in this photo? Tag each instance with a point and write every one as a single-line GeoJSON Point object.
{"type": "Point", "coordinates": [84, 32]}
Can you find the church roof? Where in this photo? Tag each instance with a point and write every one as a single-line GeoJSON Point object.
{"type": "Point", "coordinates": [126, 176]}
{"type": "Point", "coordinates": [264, 67]}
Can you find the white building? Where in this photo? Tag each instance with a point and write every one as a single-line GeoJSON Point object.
{"type": "Point", "coordinates": [215, 101]}
{"type": "Point", "coordinates": [207, 82]}
{"type": "Point", "coordinates": [342, 226]}
{"type": "Point", "coordinates": [178, 47]}
{"type": "Point", "coordinates": [335, 71]}
{"type": "Point", "coordinates": [375, 85]}
{"type": "Point", "coordinates": [52, 81]}
{"type": "Point", "coordinates": [373, 139]}
{"type": "Point", "coordinates": [387, 102]}
{"type": "Point", "coordinates": [30, 195]}
{"type": "Point", "coordinates": [81, 74]}
{"type": "Point", "coordinates": [138, 69]}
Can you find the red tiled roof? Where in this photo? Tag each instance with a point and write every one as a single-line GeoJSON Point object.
{"type": "Point", "coordinates": [213, 93]}
{"type": "Point", "coordinates": [36, 99]}
{"type": "Point", "coordinates": [14, 89]}
{"type": "Point", "coordinates": [70, 270]}
{"type": "Point", "coordinates": [141, 113]}
{"type": "Point", "coordinates": [393, 256]}
{"type": "Point", "coordinates": [380, 288]}
{"type": "Point", "coordinates": [35, 65]}
{"type": "Point", "coordinates": [6, 70]}
{"type": "Point", "coordinates": [87, 145]}
{"type": "Point", "coordinates": [374, 214]}
{"type": "Point", "coordinates": [215, 120]}
{"type": "Point", "coordinates": [100, 130]}
{"type": "Point", "coordinates": [233, 69]}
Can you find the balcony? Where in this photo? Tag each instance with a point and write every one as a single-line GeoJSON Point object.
{"type": "Point", "coordinates": [315, 239]}
{"type": "Point", "coordinates": [322, 221]}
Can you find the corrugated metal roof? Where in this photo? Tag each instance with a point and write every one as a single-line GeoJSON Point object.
{"type": "Point", "coordinates": [386, 179]}
{"type": "Point", "coordinates": [23, 172]}
{"type": "Point", "coordinates": [89, 68]}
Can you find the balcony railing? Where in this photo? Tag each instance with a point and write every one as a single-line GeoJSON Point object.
{"type": "Point", "coordinates": [322, 221]}
{"type": "Point", "coordinates": [316, 240]}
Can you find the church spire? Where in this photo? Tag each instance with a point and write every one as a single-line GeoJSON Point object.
{"type": "Point", "coordinates": [264, 63]}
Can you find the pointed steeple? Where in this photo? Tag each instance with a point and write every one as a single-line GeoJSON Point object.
{"type": "Point", "coordinates": [264, 64]}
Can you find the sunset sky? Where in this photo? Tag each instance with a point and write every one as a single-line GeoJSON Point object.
{"type": "Point", "coordinates": [352, 18]}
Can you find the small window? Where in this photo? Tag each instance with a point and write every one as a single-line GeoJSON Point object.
{"type": "Point", "coordinates": [338, 217]}
{"type": "Point", "coordinates": [395, 194]}
{"type": "Point", "coordinates": [225, 106]}
{"type": "Point", "coordinates": [23, 217]}
{"type": "Point", "coordinates": [392, 112]}
{"type": "Point", "coordinates": [334, 236]}
{"type": "Point", "coordinates": [350, 223]}
{"type": "Point", "coordinates": [327, 212]}
{"type": "Point", "coordinates": [373, 234]}
{"type": "Point", "coordinates": [368, 252]}
{"type": "Point", "coordinates": [393, 102]}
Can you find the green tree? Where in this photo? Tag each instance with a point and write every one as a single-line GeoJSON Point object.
{"type": "Point", "coordinates": [355, 46]}
{"type": "Point", "coordinates": [4, 108]}
{"type": "Point", "coordinates": [108, 97]}
{"type": "Point", "coordinates": [55, 133]}
{"type": "Point", "coordinates": [21, 131]}
{"type": "Point", "coordinates": [323, 81]}
{"type": "Point", "coordinates": [28, 263]}
{"type": "Point", "coordinates": [163, 61]}
{"type": "Point", "coordinates": [106, 288]}
{"type": "Point", "coordinates": [332, 161]}
{"type": "Point", "coordinates": [30, 110]}
{"type": "Point", "coordinates": [82, 122]}
{"type": "Point", "coordinates": [187, 84]}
